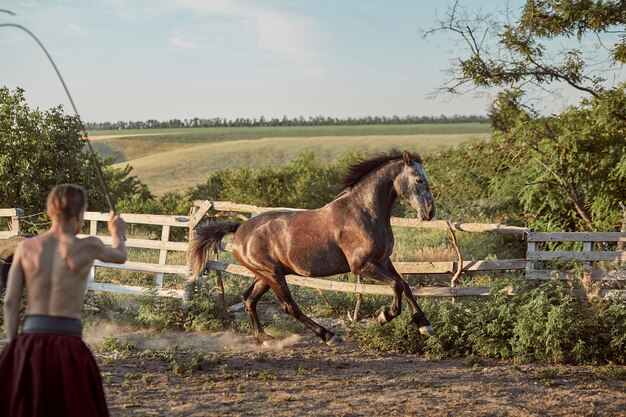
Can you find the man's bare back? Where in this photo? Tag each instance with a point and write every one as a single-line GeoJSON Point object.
{"type": "Point", "coordinates": [54, 268]}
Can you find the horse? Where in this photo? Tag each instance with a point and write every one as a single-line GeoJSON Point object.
{"type": "Point", "coordinates": [352, 233]}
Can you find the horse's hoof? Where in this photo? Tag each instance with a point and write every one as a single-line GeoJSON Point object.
{"type": "Point", "coordinates": [334, 341]}
{"type": "Point", "coordinates": [263, 340]}
{"type": "Point", "coordinates": [382, 320]}
{"type": "Point", "coordinates": [427, 331]}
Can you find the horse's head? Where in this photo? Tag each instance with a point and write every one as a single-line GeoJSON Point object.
{"type": "Point", "coordinates": [412, 186]}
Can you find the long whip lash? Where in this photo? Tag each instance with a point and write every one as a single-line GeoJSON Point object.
{"type": "Point", "coordinates": [94, 159]}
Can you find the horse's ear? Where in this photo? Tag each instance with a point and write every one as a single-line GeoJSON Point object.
{"type": "Point", "coordinates": [406, 157]}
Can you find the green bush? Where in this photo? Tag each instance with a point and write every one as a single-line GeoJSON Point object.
{"type": "Point", "coordinates": [546, 324]}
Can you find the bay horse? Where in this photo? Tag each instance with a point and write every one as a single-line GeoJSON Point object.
{"type": "Point", "coordinates": [352, 233]}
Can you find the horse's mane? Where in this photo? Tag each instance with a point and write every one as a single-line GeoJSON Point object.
{"type": "Point", "coordinates": [357, 171]}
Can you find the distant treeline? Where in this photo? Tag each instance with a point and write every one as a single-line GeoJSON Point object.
{"type": "Point", "coordinates": [284, 121]}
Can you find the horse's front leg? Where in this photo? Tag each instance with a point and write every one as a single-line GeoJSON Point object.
{"type": "Point", "coordinates": [390, 276]}
{"type": "Point", "coordinates": [417, 315]}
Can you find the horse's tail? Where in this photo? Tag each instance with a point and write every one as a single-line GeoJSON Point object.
{"type": "Point", "coordinates": [208, 236]}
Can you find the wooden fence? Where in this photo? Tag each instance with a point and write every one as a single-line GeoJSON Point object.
{"type": "Point", "coordinates": [163, 245]}
{"type": "Point", "coordinates": [204, 209]}
{"type": "Point", "coordinates": [584, 261]}
{"type": "Point", "coordinates": [14, 223]}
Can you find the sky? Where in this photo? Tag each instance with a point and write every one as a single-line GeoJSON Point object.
{"type": "Point", "coordinates": [164, 59]}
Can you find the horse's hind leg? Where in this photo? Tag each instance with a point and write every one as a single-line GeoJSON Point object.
{"type": "Point", "coordinates": [279, 285]}
{"type": "Point", "coordinates": [250, 299]}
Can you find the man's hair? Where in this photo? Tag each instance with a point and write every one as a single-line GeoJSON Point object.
{"type": "Point", "coordinates": [66, 201]}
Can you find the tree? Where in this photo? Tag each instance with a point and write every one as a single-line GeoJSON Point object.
{"type": "Point", "coordinates": [40, 149]}
{"type": "Point", "coordinates": [566, 171]}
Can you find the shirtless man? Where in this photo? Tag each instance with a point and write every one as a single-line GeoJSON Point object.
{"type": "Point", "coordinates": [47, 369]}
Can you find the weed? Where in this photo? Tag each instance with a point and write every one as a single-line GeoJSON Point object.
{"type": "Point", "coordinates": [261, 374]}
{"type": "Point", "coordinates": [179, 368]}
{"type": "Point", "coordinates": [225, 374]}
{"type": "Point", "coordinates": [129, 379]}
{"type": "Point", "coordinates": [472, 361]}
{"type": "Point", "coordinates": [148, 379]}
{"type": "Point", "coordinates": [119, 347]}
{"type": "Point", "coordinates": [610, 371]}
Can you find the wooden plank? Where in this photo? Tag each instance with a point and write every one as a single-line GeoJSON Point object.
{"type": "Point", "coordinates": [596, 275]}
{"type": "Point", "coordinates": [199, 212]}
{"type": "Point", "coordinates": [165, 235]}
{"type": "Point", "coordinates": [8, 212]}
{"type": "Point", "coordinates": [245, 208]}
{"type": "Point", "coordinates": [146, 243]}
{"type": "Point", "coordinates": [577, 237]}
{"type": "Point", "coordinates": [576, 256]}
{"type": "Point", "coordinates": [146, 267]}
{"type": "Point", "coordinates": [93, 228]}
{"type": "Point", "coordinates": [452, 266]}
{"type": "Point", "coordinates": [15, 221]}
{"type": "Point", "coordinates": [459, 226]}
{"type": "Point", "coordinates": [7, 234]}
{"type": "Point", "coordinates": [587, 247]}
{"type": "Point", "coordinates": [132, 290]}
{"type": "Point", "coordinates": [153, 219]}
{"type": "Point", "coordinates": [425, 267]}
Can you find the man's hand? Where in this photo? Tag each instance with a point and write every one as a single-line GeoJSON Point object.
{"type": "Point", "coordinates": [117, 226]}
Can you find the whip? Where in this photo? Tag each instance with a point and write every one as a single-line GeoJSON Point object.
{"type": "Point", "coordinates": [94, 158]}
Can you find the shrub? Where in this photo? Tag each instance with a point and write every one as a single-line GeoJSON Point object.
{"type": "Point", "coordinates": [547, 324]}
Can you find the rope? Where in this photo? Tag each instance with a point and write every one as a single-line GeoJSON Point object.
{"type": "Point", "coordinates": [37, 224]}
{"type": "Point", "coordinates": [91, 150]}
{"type": "Point", "coordinates": [32, 215]}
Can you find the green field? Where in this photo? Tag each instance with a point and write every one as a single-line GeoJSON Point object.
{"type": "Point", "coordinates": [176, 159]}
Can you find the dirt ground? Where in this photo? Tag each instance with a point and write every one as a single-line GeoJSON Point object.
{"type": "Point", "coordinates": [216, 374]}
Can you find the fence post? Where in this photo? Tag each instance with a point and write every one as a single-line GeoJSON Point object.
{"type": "Point", "coordinates": [359, 298]}
{"type": "Point", "coordinates": [531, 246]}
{"type": "Point", "coordinates": [91, 278]}
{"type": "Point", "coordinates": [620, 245]}
{"type": "Point", "coordinates": [15, 220]}
{"type": "Point", "coordinates": [165, 236]}
{"type": "Point", "coordinates": [190, 280]}
{"type": "Point", "coordinates": [196, 214]}
{"type": "Point", "coordinates": [587, 280]}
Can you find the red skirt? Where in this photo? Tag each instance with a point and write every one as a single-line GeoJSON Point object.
{"type": "Point", "coordinates": [44, 374]}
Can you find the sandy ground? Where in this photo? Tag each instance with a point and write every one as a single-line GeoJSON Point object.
{"type": "Point", "coordinates": [215, 374]}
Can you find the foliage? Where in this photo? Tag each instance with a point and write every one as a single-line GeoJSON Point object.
{"type": "Point", "coordinates": [546, 324]}
{"type": "Point", "coordinates": [40, 149]}
{"type": "Point", "coordinates": [566, 171]}
{"type": "Point", "coordinates": [557, 172]}
{"type": "Point", "coordinates": [303, 183]}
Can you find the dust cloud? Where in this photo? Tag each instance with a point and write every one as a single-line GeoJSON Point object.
{"type": "Point", "coordinates": [200, 342]}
